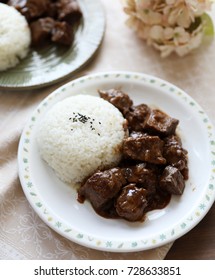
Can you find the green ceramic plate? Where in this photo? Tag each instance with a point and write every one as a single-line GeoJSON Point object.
{"type": "Point", "coordinates": [52, 63]}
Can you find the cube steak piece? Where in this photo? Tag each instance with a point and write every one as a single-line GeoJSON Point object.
{"type": "Point", "coordinates": [101, 187]}
{"type": "Point", "coordinates": [137, 116]}
{"type": "Point", "coordinates": [31, 9]}
{"type": "Point", "coordinates": [118, 98]}
{"type": "Point", "coordinates": [62, 33]}
{"type": "Point", "coordinates": [52, 10]}
{"type": "Point", "coordinates": [160, 124]}
{"type": "Point", "coordinates": [144, 147]}
{"type": "Point", "coordinates": [142, 176]}
{"type": "Point", "coordinates": [172, 181]}
{"type": "Point", "coordinates": [131, 202]}
{"type": "Point", "coordinates": [41, 31]}
{"type": "Point", "coordinates": [69, 11]}
{"type": "Point", "coordinates": [175, 154]}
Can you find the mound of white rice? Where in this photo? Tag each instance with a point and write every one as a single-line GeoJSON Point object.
{"type": "Point", "coordinates": [15, 37]}
{"type": "Point", "coordinates": [80, 135]}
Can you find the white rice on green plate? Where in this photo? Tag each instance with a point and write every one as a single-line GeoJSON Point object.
{"type": "Point", "coordinates": [15, 37]}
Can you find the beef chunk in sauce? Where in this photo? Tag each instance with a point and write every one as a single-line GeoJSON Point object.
{"type": "Point", "coordinates": [153, 166]}
{"type": "Point", "coordinates": [145, 148]}
{"type": "Point", "coordinates": [131, 203]}
{"type": "Point", "coordinates": [137, 116]}
{"type": "Point", "coordinates": [50, 21]}
{"type": "Point", "coordinates": [45, 29]}
{"type": "Point", "coordinates": [41, 31]}
{"type": "Point", "coordinates": [118, 98]}
{"type": "Point", "coordinates": [101, 187]}
{"type": "Point", "coordinates": [160, 124]}
{"type": "Point", "coordinates": [52, 10]}
{"type": "Point", "coordinates": [62, 33]}
{"type": "Point", "coordinates": [31, 9]}
{"type": "Point", "coordinates": [175, 154]}
{"type": "Point", "coordinates": [69, 11]}
{"type": "Point", "coordinates": [172, 181]}
{"type": "Point", "coordinates": [142, 176]}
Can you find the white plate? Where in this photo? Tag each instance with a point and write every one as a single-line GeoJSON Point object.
{"type": "Point", "coordinates": [53, 63]}
{"type": "Point", "coordinates": [56, 203]}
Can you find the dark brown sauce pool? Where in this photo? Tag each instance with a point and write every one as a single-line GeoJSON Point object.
{"type": "Point", "coordinates": [156, 201]}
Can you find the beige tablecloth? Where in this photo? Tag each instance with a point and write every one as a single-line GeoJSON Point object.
{"type": "Point", "coordinates": [22, 234]}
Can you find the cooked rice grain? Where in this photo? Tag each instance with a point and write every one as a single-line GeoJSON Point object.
{"type": "Point", "coordinates": [15, 37]}
{"type": "Point", "coordinates": [80, 135]}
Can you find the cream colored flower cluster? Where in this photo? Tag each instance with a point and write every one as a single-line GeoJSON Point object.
{"type": "Point", "coordinates": [168, 25]}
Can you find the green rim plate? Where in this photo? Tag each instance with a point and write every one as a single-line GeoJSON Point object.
{"type": "Point", "coordinates": [52, 64]}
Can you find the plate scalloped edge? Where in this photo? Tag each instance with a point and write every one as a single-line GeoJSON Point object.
{"type": "Point", "coordinates": [65, 230]}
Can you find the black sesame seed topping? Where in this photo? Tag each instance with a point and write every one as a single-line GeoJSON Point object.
{"type": "Point", "coordinates": [78, 117]}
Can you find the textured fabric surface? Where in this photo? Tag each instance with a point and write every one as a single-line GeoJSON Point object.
{"type": "Point", "coordinates": [22, 234]}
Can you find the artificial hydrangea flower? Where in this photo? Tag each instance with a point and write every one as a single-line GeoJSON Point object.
{"type": "Point", "coordinates": [168, 25]}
